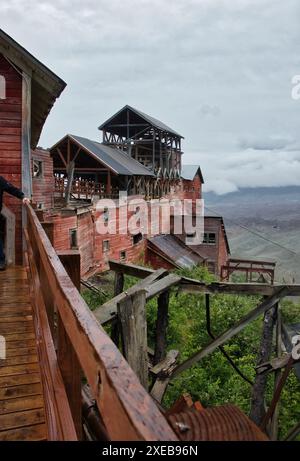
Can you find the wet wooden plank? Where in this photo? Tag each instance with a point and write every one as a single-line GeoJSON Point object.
{"type": "Point", "coordinates": [29, 433]}
{"type": "Point", "coordinates": [20, 351]}
{"type": "Point", "coordinates": [17, 380]}
{"type": "Point", "coordinates": [17, 319]}
{"type": "Point", "coordinates": [19, 336]}
{"type": "Point", "coordinates": [19, 369]}
{"type": "Point", "coordinates": [19, 360]}
{"type": "Point", "coordinates": [12, 345]}
{"type": "Point", "coordinates": [21, 419]}
{"type": "Point", "coordinates": [22, 390]}
{"type": "Point", "coordinates": [30, 402]}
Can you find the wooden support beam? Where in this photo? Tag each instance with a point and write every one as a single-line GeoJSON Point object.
{"type": "Point", "coordinates": [108, 183]}
{"type": "Point", "coordinates": [61, 156]}
{"type": "Point", "coordinates": [108, 310]}
{"type": "Point", "coordinates": [257, 410]}
{"type": "Point", "coordinates": [277, 376]}
{"type": "Point", "coordinates": [189, 285]}
{"type": "Point", "coordinates": [211, 347]}
{"type": "Point", "coordinates": [132, 315]}
{"type": "Point", "coordinates": [118, 288]}
{"type": "Point", "coordinates": [67, 359]}
{"type": "Point", "coordinates": [130, 269]}
{"type": "Point", "coordinates": [70, 173]}
{"type": "Point", "coordinates": [163, 371]}
{"type": "Point", "coordinates": [162, 285]}
{"type": "Point", "coordinates": [161, 327]}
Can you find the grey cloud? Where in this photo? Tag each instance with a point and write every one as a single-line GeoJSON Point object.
{"type": "Point", "coordinates": [274, 143]}
{"type": "Point", "coordinates": [218, 71]}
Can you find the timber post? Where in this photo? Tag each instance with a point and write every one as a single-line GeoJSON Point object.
{"type": "Point", "coordinates": [132, 315]}
{"type": "Point", "coordinates": [257, 411]}
{"type": "Point", "coordinates": [161, 327]}
{"type": "Point", "coordinates": [67, 359]}
{"type": "Point", "coordinates": [118, 288]}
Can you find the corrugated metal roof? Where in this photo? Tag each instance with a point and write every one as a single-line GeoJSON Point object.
{"type": "Point", "coordinates": [113, 158]}
{"type": "Point", "coordinates": [175, 251]}
{"type": "Point", "coordinates": [151, 120]}
{"type": "Point", "coordinates": [189, 172]}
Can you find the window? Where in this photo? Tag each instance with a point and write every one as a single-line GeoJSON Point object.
{"type": "Point", "coordinates": [209, 238]}
{"type": "Point", "coordinates": [2, 87]}
{"type": "Point", "coordinates": [73, 239]}
{"type": "Point", "coordinates": [137, 238]}
{"type": "Point", "coordinates": [105, 215]}
{"type": "Point", "coordinates": [37, 169]}
{"type": "Point", "coordinates": [123, 255]}
{"type": "Point", "coordinates": [105, 245]}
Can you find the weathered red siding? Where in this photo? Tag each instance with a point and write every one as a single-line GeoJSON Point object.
{"type": "Point", "coordinates": [43, 186]}
{"type": "Point", "coordinates": [156, 261]}
{"type": "Point", "coordinates": [10, 142]}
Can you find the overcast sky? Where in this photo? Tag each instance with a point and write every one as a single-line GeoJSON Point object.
{"type": "Point", "coordinates": [217, 71]}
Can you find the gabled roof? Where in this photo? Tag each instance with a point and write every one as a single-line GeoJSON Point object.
{"type": "Point", "coordinates": [174, 251]}
{"type": "Point", "coordinates": [151, 120]}
{"type": "Point", "coordinates": [189, 172]}
{"type": "Point", "coordinates": [115, 159]}
{"type": "Point", "coordinates": [45, 85]}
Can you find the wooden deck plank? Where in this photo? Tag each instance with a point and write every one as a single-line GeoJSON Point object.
{"type": "Point", "coordinates": [21, 403]}
{"type": "Point", "coordinates": [19, 369]}
{"type": "Point", "coordinates": [17, 380]}
{"type": "Point", "coordinates": [11, 345]}
{"type": "Point", "coordinates": [22, 390]}
{"type": "Point", "coordinates": [21, 419]}
{"type": "Point", "coordinates": [21, 396]}
{"type": "Point", "coordinates": [17, 319]}
{"type": "Point", "coordinates": [16, 352]}
{"type": "Point", "coordinates": [19, 336]}
{"type": "Point", "coordinates": [19, 360]}
{"type": "Point", "coordinates": [29, 433]}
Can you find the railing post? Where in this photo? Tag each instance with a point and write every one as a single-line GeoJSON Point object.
{"type": "Point", "coordinates": [161, 327]}
{"type": "Point", "coordinates": [132, 315]}
{"type": "Point", "coordinates": [67, 359]}
{"type": "Point", "coordinates": [118, 288]}
{"type": "Point", "coordinates": [48, 298]}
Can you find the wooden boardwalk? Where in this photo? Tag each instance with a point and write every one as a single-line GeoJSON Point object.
{"type": "Point", "coordinates": [22, 414]}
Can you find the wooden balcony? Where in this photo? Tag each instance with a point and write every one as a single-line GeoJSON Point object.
{"type": "Point", "coordinates": [55, 344]}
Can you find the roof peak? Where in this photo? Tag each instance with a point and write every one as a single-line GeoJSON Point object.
{"type": "Point", "coordinates": [151, 120]}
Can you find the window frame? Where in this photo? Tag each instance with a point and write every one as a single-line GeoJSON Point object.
{"type": "Point", "coordinates": [71, 231]}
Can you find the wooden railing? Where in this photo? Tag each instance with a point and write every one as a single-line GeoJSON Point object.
{"type": "Point", "coordinates": [84, 189]}
{"type": "Point", "coordinates": [73, 345]}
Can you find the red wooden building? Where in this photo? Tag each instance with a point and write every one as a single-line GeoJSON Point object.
{"type": "Point", "coordinates": [139, 155]}
{"type": "Point", "coordinates": [28, 91]}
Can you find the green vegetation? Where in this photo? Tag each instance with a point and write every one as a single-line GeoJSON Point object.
{"type": "Point", "coordinates": [213, 381]}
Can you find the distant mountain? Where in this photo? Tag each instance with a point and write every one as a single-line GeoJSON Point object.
{"type": "Point", "coordinates": [272, 212]}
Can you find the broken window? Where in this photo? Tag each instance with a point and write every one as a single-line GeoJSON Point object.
{"type": "Point", "coordinates": [37, 169]}
{"type": "Point", "coordinates": [105, 245]}
{"type": "Point", "coordinates": [209, 238]}
{"type": "Point", "coordinates": [137, 238]}
{"type": "Point", "coordinates": [122, 255]}
{"type": "Point", "coordinates": [73, 239]}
